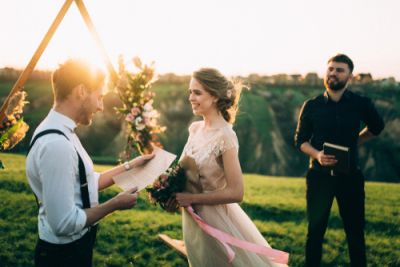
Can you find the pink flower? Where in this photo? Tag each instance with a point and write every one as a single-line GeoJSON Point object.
{"type": "Point", "coordinates": [129, 117]}
{"type": "Point", "coordinates": [135, 111]}
{"type": "Point", "coordinates": [163, 177]}
{"type": "Point", "coordinates": [148, 106]}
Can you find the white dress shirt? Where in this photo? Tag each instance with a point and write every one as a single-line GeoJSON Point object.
{"type": "Point", "coordinates": [53, 174]}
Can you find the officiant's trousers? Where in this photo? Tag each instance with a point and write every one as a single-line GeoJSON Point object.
{"type": "Point", "coordinates": [348, 190]}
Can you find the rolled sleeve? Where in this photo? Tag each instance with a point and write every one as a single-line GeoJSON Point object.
{"type": "Point", "coordinates": [372, 119]}
{"type": "Point", "coordinates": [96, 176]}
{"type": "Point", "coordinates": [304, 127]}
{"type": "Point", "coordinates": [58, 179]}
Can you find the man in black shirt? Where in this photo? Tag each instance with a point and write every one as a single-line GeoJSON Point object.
{"type": "Point", "coordinates": [336, 117]}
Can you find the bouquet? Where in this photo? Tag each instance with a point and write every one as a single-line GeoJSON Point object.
{"type": "Point", "coordinates": [166, 185]}
{"type": "Point", "coordinates": [137, 99]}
{"type": "Point", "coordinates": [13, 128]}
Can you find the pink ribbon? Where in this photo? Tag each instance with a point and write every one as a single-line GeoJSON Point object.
{"type": "Point", "coordinates": [275, 255]}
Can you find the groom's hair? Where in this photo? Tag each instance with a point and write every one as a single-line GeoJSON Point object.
{"type": "Point", "coordinates": [73, 73]}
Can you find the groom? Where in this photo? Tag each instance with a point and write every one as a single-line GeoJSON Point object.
{"type": "Point", "coordinates": [336, 117]}
{"type": "Point", "coordinates": [61, 174]}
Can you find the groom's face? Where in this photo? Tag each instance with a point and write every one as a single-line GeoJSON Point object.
{"type": "Point", "coordinates": [202, 101]}
{"type": "Point", "coordinates": [91, 104]}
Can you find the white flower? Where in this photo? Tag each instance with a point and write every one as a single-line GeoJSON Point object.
{"type": "Point", "coordinates": [139, 125]}
{"type": "Point", "coordinates": [148, 106]}
{"type": "Point", "coordinates": [151, 114]}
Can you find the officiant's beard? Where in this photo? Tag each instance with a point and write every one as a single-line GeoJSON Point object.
{"type": "Point", "coordinates": [334, 84]}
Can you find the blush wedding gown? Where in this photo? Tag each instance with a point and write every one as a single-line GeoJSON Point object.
{"type": "Point", "coordinates": [202, 161]}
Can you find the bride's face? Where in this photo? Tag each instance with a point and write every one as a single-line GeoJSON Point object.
{"type": "Point", "coordinates": [202, 102]}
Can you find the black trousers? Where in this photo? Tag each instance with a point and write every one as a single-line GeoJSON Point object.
{"type": "Point", "coordinates": [322, 188]}
{"type": "Point", "coordinates": [78, 253]}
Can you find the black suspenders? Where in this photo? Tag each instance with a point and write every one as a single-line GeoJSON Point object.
{"type": "Point", "coordinates": [81, 166]}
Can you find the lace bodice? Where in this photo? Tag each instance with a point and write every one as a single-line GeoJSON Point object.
{"type": "Point", "coordinates": [206, 147]}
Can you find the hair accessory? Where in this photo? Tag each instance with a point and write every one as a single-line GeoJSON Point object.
{"type": "Point", "coordinates": [229, 93]}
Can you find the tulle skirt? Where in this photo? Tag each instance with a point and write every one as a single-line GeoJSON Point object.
{"type": "Point", "coordinates": [205, 251]}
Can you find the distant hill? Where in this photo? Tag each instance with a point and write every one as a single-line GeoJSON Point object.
{"type": "Point", "coordinates": [265, 126]}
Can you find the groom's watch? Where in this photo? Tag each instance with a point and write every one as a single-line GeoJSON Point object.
{"type": "Point", "coordinates": [127, 166]}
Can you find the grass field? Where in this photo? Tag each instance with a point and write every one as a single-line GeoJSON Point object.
{"type": "Point", "coordinates": [129, 238]}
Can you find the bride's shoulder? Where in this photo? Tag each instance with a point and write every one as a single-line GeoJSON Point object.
{"type": "Point", "coordinates": [228, 135]}
{"type": "Point", "coordinates": [228, 132]}
{"type": "Point", "coordinates": [195, 126]}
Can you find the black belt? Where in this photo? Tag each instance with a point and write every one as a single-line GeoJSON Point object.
{"type": "Point", "coordinates": [87, 240]}
{"type": "Point", "coordinates": [329, 171]}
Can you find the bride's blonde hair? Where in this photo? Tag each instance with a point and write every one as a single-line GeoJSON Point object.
{"type": "Point", "coordinates": [227, 91]}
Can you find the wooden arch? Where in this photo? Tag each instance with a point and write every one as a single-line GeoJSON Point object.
{"type": "Point", "coordinates": [19, 84]}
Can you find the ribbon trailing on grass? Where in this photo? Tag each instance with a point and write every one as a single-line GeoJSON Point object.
{"type": "Point", "coordinates": [226, 239]}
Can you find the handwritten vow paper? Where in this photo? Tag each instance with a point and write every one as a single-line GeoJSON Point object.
{"type": "Point", "coordinates": [145, 175]}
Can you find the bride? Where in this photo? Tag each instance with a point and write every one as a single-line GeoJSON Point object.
{"type": "Point", "coordinates": [215, 181]}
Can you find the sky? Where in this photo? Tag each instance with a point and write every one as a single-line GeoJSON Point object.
{"type": "Point", "coordinates": [238, 37]}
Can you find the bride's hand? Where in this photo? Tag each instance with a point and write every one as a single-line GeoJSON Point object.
{"type": "Point", "coordinates": [141, 160]}
{"type": "Point", "coordinates": [171, 205]}
{"type": "Point", "coordinates": [184, 199]}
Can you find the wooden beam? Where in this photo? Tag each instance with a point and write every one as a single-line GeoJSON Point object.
{"type": "Point", "coordinates": [19, 84]}
{"type": "Point", "coordinates": [86, 17]}
{"type": "Point", "coordinates": [178, 245]}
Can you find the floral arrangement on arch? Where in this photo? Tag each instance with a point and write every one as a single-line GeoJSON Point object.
{"type": "Point", "coordinates": [13, 128]}
{"type": "Point", "coordinates": [138, 111]}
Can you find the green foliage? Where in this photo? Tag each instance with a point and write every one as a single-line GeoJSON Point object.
{"type": "Point", "coordinates": [129, 238]}
{"type": "Point", "coordinates": [265, 126]}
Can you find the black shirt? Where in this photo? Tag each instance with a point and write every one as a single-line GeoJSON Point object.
{"type": "Point", "coordinates": [323, 120]}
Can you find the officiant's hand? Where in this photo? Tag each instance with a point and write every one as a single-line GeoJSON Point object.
{"type": "Point", "coordinates": [326, 160]}
{"type": "Point", "coordinates": [141, 160]}
{"type": "Point", "coordinates": [126, 200]}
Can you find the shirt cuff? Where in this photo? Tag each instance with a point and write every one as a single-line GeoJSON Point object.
{"type": "Point", "coordinates": [80, 221]}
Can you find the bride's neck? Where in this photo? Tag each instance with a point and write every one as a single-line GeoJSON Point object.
{"type": "Point", "coordinates": [214, 120]}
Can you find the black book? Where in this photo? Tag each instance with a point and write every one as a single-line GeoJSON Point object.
{"type": "Point", "coordinates": [342, 156]}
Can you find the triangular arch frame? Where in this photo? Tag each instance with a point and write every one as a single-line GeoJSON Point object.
{"type": "Point", "coordinates": [19, 84]}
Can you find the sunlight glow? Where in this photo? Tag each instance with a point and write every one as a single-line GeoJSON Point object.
{"type": "Point", "coordinates": [237, 36]}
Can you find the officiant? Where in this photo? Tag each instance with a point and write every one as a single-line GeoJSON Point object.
{"type": "Point", "coordinates": [336, 117]}
{"type": "Point", "coordinates": [61, 175]}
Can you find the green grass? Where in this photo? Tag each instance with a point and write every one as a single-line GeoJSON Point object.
{"type": "Point", "coordinates": [129, 238]}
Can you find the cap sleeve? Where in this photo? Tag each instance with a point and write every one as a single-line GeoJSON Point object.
{"type": "Point", "coordinates": [193, 127]}
{"type": "Point", "coordinates": [228, 141]}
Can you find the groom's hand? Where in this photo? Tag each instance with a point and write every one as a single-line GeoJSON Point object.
{"type": "Point", "coordinates": [141, 160]}
{"type": "Point", "coordinates": [126, 199]}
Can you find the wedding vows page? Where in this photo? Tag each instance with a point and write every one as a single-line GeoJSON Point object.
{"type": "Point", "coordinates": [145, 175]}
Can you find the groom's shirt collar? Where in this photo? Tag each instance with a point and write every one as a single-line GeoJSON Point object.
{"type": "Point", "coordinates": [61, 120]}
